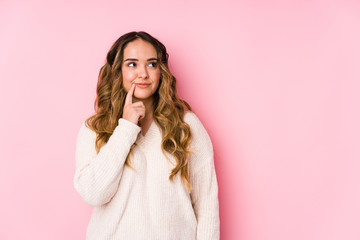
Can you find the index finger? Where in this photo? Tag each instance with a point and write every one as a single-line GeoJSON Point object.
{"type": "Point", "coordinates": [128, 99]}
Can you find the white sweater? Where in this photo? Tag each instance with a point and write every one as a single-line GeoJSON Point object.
{"type": "Point", "coordinates": [145, 204]}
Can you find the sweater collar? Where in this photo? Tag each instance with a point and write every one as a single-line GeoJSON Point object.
{"type": "Point", "coordinates": [151, 132]}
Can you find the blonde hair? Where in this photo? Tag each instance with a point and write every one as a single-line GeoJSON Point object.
{"type": "Point", "coordinates": [168, 109]}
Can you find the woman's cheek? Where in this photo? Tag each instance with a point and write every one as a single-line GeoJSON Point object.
{"type": "Point", "coordinates": [127, 80]}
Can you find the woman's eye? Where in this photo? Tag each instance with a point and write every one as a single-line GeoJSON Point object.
{"type": "Point", "coordinates": [153, 64]}
{"type": "Point", "coordinates": [132, 64]}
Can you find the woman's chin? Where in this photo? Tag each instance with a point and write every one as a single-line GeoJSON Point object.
{"type": "Point", "coordinates": [142, 96]}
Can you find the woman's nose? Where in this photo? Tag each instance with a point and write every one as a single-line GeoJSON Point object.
{"type": "Point", "coordinates": [143, 72]}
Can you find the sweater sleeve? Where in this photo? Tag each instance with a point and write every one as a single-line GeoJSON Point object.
{"type": "Point", "coordinates": [204, 194]}
{"type": "Point", "coordinates": [97, 175]}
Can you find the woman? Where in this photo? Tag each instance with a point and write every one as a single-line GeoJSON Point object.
{"type": "Point", "coordinates": [144, 161]}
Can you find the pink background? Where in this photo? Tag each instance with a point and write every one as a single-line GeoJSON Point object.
{"type": "Point", "coordinates": [276, 84]}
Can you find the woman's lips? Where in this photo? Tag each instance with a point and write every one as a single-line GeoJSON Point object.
{"type": "Point", "coordinates": [142, 85]}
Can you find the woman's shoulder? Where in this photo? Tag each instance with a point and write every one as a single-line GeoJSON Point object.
{"type": "Point", "coordinates": [85, 131]}
{"type": "Point", "coordinates": [192, 119]}
{"type": "Point", "coordinates": [197, 128]}
{"type": "Point", "coordinates": [201, 144]}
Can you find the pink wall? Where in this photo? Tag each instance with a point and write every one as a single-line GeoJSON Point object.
{"type": "Point", "coordinates": [276, 85]}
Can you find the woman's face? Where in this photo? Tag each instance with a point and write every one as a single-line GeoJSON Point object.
{"type": "Point", "coordinates": [140, 66]}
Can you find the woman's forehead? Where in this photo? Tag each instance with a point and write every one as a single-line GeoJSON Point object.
{"type": "Point", "coordinates": [139, 49]}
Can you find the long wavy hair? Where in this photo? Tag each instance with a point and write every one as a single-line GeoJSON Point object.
{"type": "Point", "coordinates": [168, 109]}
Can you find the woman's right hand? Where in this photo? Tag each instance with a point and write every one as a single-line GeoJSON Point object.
{"type": "Point", "coordinates": [133, 112]}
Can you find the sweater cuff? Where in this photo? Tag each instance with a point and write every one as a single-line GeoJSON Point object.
{"type": "Point", "coordinates": [128, 128]}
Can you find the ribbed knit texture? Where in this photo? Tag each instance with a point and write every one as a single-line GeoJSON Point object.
{"type": "Point", "coordinates": [144, 204]}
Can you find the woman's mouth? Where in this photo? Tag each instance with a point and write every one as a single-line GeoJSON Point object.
{"type": "Point", "coordinates": [142, 85]}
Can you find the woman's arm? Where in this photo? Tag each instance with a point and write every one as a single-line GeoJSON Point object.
{"type": "Point", "coordinates": [204, 194]}
{"type": "Point", "coordinates": [97, 176]}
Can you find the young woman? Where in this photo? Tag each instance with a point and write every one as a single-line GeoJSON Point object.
{"type": "Point", "coordinates": [144, 161]}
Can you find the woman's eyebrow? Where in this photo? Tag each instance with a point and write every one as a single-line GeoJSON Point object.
{"type": "Point", "coordinates": [150, 59]}
{"type": "Point", "coordinates": [135, 59]}
{"type": "Point", "coordinates": [131, 59]}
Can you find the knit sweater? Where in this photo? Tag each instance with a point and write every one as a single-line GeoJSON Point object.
{"type": "Point", "coordinates": [145, 204]}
